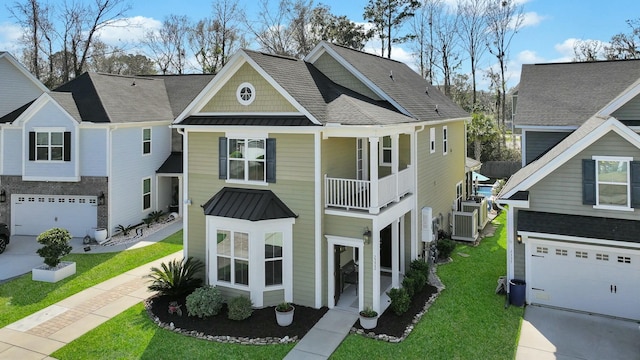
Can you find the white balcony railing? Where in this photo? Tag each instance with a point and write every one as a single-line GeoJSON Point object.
{"type": "Point", "coordinates": [356, 194]}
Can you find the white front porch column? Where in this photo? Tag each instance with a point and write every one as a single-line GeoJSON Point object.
{"type": "Point", "coordinates": [395, 254]}
{"type": "Point", "coordinates": [375, 291]}
{"type": "Point", "coordinates": [374, 207]}
{"type": "Point", "coordinates": [395, 161]}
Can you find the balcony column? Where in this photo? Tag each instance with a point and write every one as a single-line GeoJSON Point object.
{"type": "Point", "coordinates": [374, 207]}
{"type": "Point", "coordinates": [395, 161]}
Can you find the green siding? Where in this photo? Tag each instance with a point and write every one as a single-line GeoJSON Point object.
{"type": "Point", "coordinates": [629, 111]}
{"type": "Point", "coordinates": [230, 293]}
{"type": "Point", "coordinates": [273, 297]}
{"type": "Point", "coordinates": [267, 98]}
{"type": "Point", "coordinates": [539, 142]}
{"type": "Point", "coordinates": [339, 158]}
{"type": "Point", "coordinates": [338, 74]}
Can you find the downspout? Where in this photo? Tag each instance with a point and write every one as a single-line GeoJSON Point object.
{"type": "Point", "coordinates": [510, 265]}
{"type": "Point", "coordinates": [414, 214]}
{"type": "Point", "coordinates": [185, 212]}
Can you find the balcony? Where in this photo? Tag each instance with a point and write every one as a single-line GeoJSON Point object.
{"type": "Point", "coordinates": [369, 195]}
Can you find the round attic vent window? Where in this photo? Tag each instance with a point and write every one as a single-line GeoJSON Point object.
{"type": "Point", "coordinates": [245, 94]}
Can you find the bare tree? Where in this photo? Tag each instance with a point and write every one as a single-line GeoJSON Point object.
{"type": "Point", "coordinates": [271, 30]}
{"type": "Point", "coordinates": [446, 47]}
{"type": "Point", "coordinates": [28, 15]}
{"type": "Point", "coordinates": [168, 44]}
{"type": "Point", "coordinates": [625, 46]}
{"type": "Point", "coordinates": [336, 29]}
{"type": "Point", "coordinates": [473, 35]}
{"type": "Point", "coordinates": [423, 44]}
{"type": "Point", "coordinates": [586, 50]}
{"type": "Point", "coordinates": [387, 17]}
{"type": "Point", "coordinates": [504, 19]}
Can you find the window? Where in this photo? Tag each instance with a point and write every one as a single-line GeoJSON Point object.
{"type": "Point", "coordinates": [49, 146]}
{"type": "Point", "coordinates": [582, 255]}
{"type": "Point", "coordinates": [146, 141]}
{"type": "Point", "coordinates": [273, 258]}
{"type": "Point", "coordinates": [146, 193]}
{"type": "Point", "coordinates": [611, 182]}
{"type": "Point", "coordinates": [459, 196]}
{"type": "Point", "coordinates": [432, 140]}
{"type": "Point", "coordinates": [561, 252]}
{"type": "Point", "coordinates": [542, 250]}
{"type": "Point", "coordinates": [445, 141]}
{"type": "Point", "coordinates": [385, 151]}
{"type": "Point", "coordinates": [246, 159]}
{"type": "Point", "coordinates": [245, 94]}
{"type": "Point", "coordinates": [233, 257]}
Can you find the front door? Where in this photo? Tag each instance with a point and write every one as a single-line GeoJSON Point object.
{"type": "Point", "coordinates": [385, 247]}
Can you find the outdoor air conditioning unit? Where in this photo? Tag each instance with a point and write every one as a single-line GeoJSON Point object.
{"type": "Point", "coordinates": [427, 224]}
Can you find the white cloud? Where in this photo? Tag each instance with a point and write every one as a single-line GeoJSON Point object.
{"type": "Point", "coordinates": [126, 31]}
{"type": "Point", "coordinates": [528, 57]}
{"type": "Point", "coordinates": [10, 35]}
{"type": "Point", "coordinates": [532, 18]}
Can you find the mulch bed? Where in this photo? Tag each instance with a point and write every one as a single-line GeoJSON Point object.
{"type": "Point", "coordinates": [262, 323]}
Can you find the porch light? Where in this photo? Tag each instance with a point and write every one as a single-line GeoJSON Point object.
{"type": "Point", "coordinates": [3, 195]}
{"type": "Point", "coordinates": [101, 198]}
{"type": "Point", "coordinates": [519, 239]}
{"type": "Point", "coordinates": [366, 236]}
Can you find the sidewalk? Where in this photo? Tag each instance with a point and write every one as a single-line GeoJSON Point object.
{"type": "Point", "coordinates": [40, 334]}
{"type": "Point", "coordinates": [325, 336]}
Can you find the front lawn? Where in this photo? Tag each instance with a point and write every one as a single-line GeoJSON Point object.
{"type": "Point", "coordinates": [467, 321]}
{"type": "Point", "coordinates": [22, 296]}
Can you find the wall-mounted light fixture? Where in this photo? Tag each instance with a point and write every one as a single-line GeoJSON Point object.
{"type": "Point", "coordinates": [3, 195]}
{"type": "Point", "coordinates": [101, 198]}
{"type": "Point", "coordinates": [519, 239]}
{"type": "Point", "coordinates": [366, 235]}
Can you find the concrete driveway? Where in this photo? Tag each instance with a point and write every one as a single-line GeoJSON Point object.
{"type": "Point", "coordinates": [19, 257]}
{"type": "Point", "coordinates": [556, 334]}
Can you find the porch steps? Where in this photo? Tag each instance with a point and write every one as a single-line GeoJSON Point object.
{"type": "Point", "coordinates": [325, 336]}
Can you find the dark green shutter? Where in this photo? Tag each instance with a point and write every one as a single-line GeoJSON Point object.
{"type": "Point", "coordinates": [588, 182]}
{"type": "Point", "coordinates": [271, 160]}
{"type": "Point", "coordinates": [635, 184]}
{"type": "Point", "coordinates": [222, 158]}
{"type": "Point", "coordinates": [67, 146]}
{"type": "Point", "coordinates": [32, 146]}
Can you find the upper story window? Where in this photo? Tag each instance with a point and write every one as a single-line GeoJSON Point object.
{"type": "Point", "coordinates": [432, 140]}
{"type": "Point", "coordinates": [245, 94]}
{"type": "Point", "coordinates": [146, 141]}
{"type": "Point", "coordinates": [50, 146]}
{"type": "Point", "coordinates": [607, 182]}
{"type": "Point", "coordinates": [445, 141]}
{"type": "Point", "coordinates": [247, 159]}
{"type": "Point", "coordinates": [385, 151]}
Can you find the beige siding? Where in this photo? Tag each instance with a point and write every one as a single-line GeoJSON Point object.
{"type": "Point", "coordinates": [339, 158]}
{"type": "Point", "coordinates": [629, 111]}
{"type": "Point", "coordinates": [294, 186]}
{"type": "Point", "coordinates": [273, 297]}
{"type": "Point", "coordinates": [267, 98]}
{"type": "Point", "coordinates": [230, 293]}
{"type": "Point", "coordinates": [438, 174]}
{"type": "Point", "coordinates": [561, 191]}
{"type": "Point", "coordinates": [338, 74]}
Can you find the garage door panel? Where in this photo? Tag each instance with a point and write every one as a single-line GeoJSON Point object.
{"type": "Point", "coordinates": [584, 277]}
{"type": "Point", "coordinates": [33, 214]}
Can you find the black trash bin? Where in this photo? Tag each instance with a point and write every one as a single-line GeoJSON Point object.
{"type": "Point", "coordinates": [516, 292]}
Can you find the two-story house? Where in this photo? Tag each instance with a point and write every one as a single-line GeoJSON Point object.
{"type": "Point", "coordinates": [19, 86]}
{"type": "Point", "coordinates": [317, 181]}
{"type": "Point", "coordinates": [573, 210]}
{"type": "Point", "coordinates": [90, 154]}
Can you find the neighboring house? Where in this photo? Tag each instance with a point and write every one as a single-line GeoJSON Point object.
{"type": "Point", "coordinates": [90, 154]}
{"type": "Point", "coordinates": [298, 172]}
{"type": "Point", "coordinates": [572, 219]}
{"type": "Point", "coordinates": [17, 85]}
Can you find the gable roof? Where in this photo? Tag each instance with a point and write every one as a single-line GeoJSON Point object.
{"type": "Point", "coordinates": [247, 204]}
{"type": "Point", "coordinates": [15, 114]}
{"type": "Point", "coordinates": [565, 94]}
{"type": "Point", "coordinates": [107, 98]}
{"type": "Point", "coordinates": [589, 132]}
{"type": "Point", "coordinates": [182, 89]}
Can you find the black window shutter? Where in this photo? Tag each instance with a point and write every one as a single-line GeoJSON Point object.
{"type": "Point", "coordinates": [222, 158]}
{"type": "Point", "coordinates": [271, 160]}
{"type": "Point", "coordinates": [635, 184]}
{"type": "Point", "coordinates": [588, 182]}
{"type": "Point", "coordinates": [67, 146]}
{"type": "Point", "coordinates": [32, 146]}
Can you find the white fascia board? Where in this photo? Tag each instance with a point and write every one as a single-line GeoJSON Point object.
{"type": "Point", "coordinates": [339, 130]}
{"type": "Point", "coordinates": [620, 100]}
{"type": "Point", "coordinates": [52, 178]}
{"type": "Point", "coordinates": [24, 71]}
{"type": "Point", "coordinates": [347, 65]}
{"type": "Point", "coordinates": [579, 240]}
{"type": "Point", "coordinates": [610, 125]}
{"type": "Point", "coordinates": [250, 129]}
{"type": "Point", "coordinates": [521, 204]}
{"type": "Point", "coordinates": [545, 128]}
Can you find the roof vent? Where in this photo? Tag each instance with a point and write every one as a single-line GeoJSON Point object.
{"type": "Point", "coordinates": [426, 90]}
{"type": "Point", "coordinates": [133, 83]}
{"type": "Point", "coordinates": [391, 74]}
{"type": "Point", "coordinates": [436, 108]}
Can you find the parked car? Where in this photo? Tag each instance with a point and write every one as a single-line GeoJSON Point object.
{"type": "Point", "coordinates": [5, 235]}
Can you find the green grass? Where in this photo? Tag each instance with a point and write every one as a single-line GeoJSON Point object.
{"type": "Point", "coordinates": [22, 296]}
{"type": "Point", "coordinates": [467, 321]}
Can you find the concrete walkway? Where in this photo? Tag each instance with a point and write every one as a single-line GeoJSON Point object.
{"type": "Point", "coordinates": [324, 337]}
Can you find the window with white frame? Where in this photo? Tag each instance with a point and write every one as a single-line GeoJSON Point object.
{"type": "Point", "coordinates": [146, 141]}
{"type": "Point", "coordinates": [233, 257]}
{"type": "Point", "coordinates": [273, 243]}
{"type": "Point", "coordinates": [445, 141]}
{"type": "Point", "coordinates": [612, 182]}
{"type": "Point", "coordinates": [49, 146]}
{"type": "Point", "coordinates": [246, 159]}
{"type": "Point", "coordinates": [459, 196]}
{"type": "Point", "coordinates": [432, 140]}
{"type": "Point", "coordinates": [146, 193]}
{"type": "Point", "coordinates": [385, 151]}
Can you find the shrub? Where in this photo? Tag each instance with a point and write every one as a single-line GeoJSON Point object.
{"type": "Point", "coordinates": [177, 277]}
{"type": "Point", "coordinates": [56, 245]}
{"type": "Point", "coordinates": [418, 280]}
{"type": "Point", "coordinates": [368, 312]}
{"type": "Point", "coordinates": [421, 267]}
{"type": "Point", "coordinates": [409, 284]}
{"type": "Point", "coordinates": [240, 308]}
{"type": "Point", "coordinates": [445, 248]}
{"type": "Point", "coordinates": [153, 217]}
{"type": "Point", "coordinates": [400, 300]}
{"type": "Point", "coordinates": [204, 301]}
{"type": "Point", "coordinates": [125, 229]}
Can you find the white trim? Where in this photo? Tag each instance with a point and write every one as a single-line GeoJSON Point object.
{"type": "Point", "coordinates": [252, 94]}
{"type": "Point", "coordinates": [625, 159]}
{"type": "Point", "coordinates": [150, 193]}
{"type": "Point", "coordinates": [249, 113]}
{"type": "Point", "coordinates": [355, 243]}
{"type": "Point", "coordinates": [184, 197]}
{"type": "Point", "coordinates": [547, 128]}
{"type": "Point", "coordinates": [52, 178]}
{"type": "Point", "coordinates": [432, 140]}
{"type": "Point", "coordinates": [619, 101]}
{"type": "Point", "coordinates": [150, 141]}
{"type": "Point", "coordinates": [578, 240]}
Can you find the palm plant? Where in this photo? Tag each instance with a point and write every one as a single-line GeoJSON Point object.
{"type": "Point", "coordinates": [176, 278]}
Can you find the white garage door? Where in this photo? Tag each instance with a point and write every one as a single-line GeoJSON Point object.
{"type": "Point", "coordinates": [33, 214]}
{"type": "Point", "coordinates": [587, 278]}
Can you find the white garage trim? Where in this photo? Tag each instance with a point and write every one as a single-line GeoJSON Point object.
{"type": "Point", "coordinates": [31, 214]}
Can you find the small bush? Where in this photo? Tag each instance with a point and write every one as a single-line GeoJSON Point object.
{"type": "Point", "coordinates": [400, 300]}
{"type": "Point", "coordinates": [177, 277]}
{"type": "Point", "coordinates": [445, 248]}
{"type": "Point", "coordinates": [409, 284]}
{"type": "Point", "coordinates": [125, 230]}
{"type": "Point", "coordinates": [56, 245]}
{"type": "Point", "coordinates": [421, 267]}
{"type": "Point", "coordinates": [284, 307]}
{"type": "Point", "coordinates": [419, 280]}
{"type": "Point", "coordinates": [240, 308]}
{"type": "Point", "coordinates": [204, 301]}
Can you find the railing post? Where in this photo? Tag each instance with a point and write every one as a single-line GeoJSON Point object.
{"type": "Point", "coordinates": [373, 169]}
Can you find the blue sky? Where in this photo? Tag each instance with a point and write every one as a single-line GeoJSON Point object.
{"type": "Point", "coordinates": [550, 27]}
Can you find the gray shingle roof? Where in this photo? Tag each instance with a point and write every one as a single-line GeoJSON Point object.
{"type": "Point", "coordinates": [182, 89]}
{"type": "Point", "coordinates": [172, 165]}
{"type": "Point", "coordinates": [66, 101]}
{"type": "Point", "coordinates": [12, 116]}
{"type": "Point", "coordinates": [249, 120]}
{"type": "Point", "coordinates": [247, 204]}
{"type": "Point", "coordinates": [567, 94]}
